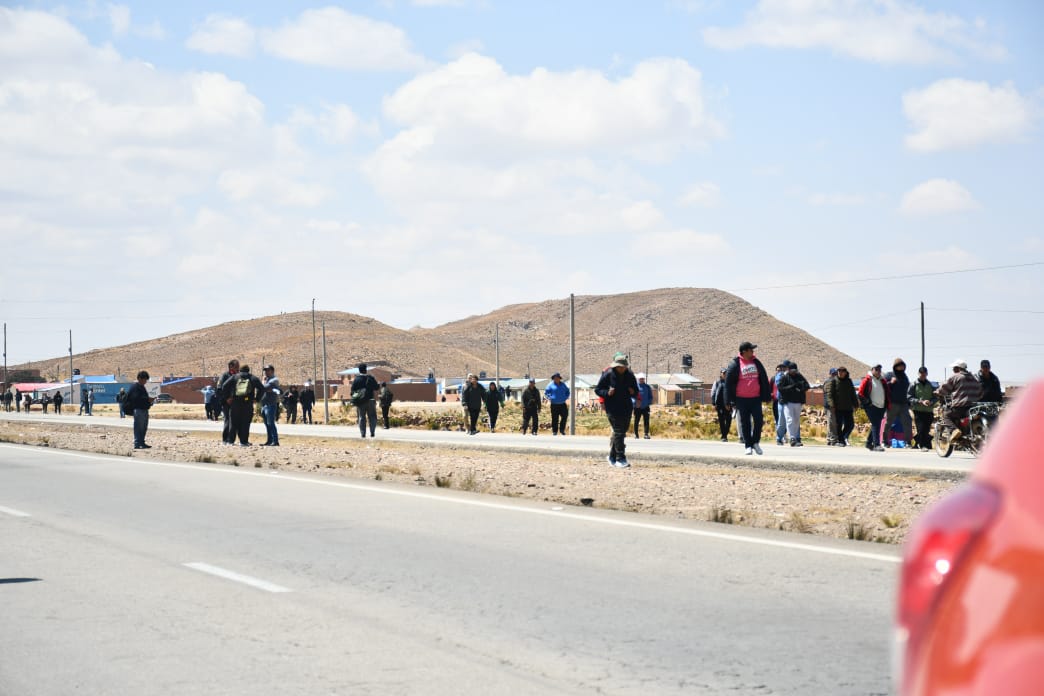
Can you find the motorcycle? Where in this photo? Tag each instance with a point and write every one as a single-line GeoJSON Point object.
{"type": "Point", "coordinates": [975, 427]}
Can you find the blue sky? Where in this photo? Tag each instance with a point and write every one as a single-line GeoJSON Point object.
{"type": "Point", "coordinates": [172, 166]}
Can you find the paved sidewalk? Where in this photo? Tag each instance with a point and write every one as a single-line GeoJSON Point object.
{"type": "Point", "coordinates": [704, 452]}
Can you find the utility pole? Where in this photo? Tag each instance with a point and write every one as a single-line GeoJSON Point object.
{"type": "Point", "coordinates": [315, 361]}
{"type": "Point", "coordinates": [496, 342]}
{"type": "Point", "coordinates": [326, 384]}
{"type": "Point", "coordinates": [71, 392]}
{"type": "Point", "coordinates": [6, 385]}
{"type": "Point", "coordinates": [922, 335]}
{"type": "Point", "coordinates": [646, 358]}
{"type": "Point", "coordinates": [572, 365]}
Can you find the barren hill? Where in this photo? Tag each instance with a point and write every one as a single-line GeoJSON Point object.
{"type": "Point", "coordinates": [665, 324]}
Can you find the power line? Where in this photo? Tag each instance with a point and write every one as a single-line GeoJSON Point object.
{"type": "Point", "coordinates": [894, 277]}
{"type": "Point", "coordinates": [991, 311]}
{"type": "Point", "coordinates": [868, 319]}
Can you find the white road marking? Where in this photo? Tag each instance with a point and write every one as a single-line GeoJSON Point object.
{"type": "Point", "coordinates": [237, 577]}
{"type": "Point", "coordinates": [14, 513]}
{"type": "Point", "coordinates": [589, 518]}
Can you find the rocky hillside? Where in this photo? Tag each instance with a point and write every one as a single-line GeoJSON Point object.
{"type": "Point", "coordinates": [663, 324]}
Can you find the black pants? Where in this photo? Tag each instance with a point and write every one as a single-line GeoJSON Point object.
{"type": "Point", "coordinates": [924, 428]}
{"type": "Point", "coordinates": [291, 413]}
{"type": "Point", "coordinates": [559, 418]}
{"type": "Point", "coordinates": [952, 417]}
{"type": "Point", "coordinates": [724, 422]}
{"type": "Point", "coordinates": [228, 433]}
{"type": "Point", "coordinates": [845, 424]}
{"type": "Point", "coordinates": [240, 415]}
{"type": "Point", "coordinates": [306, 413]}
{"type": "Point", "coordinates": [531, 416]}
{"type": "Point", "coordinates": [620, 423]}
{"type": "Point", "coordinates": [384, 415]}
{"type": "Point", "coordinates": [492, 418]}
{"type": "Point", "coordinates": [751, 420]}
{"type": "Point", "coordinates": [473, 416]}
{"type": "Point", "coordinates": [641, 416]}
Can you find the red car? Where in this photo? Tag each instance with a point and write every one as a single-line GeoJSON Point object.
{"type": "Point", "coordinates": [971, 596]}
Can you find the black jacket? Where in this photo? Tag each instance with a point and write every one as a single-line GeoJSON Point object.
{"type": "Point", "coordinates": [137, 397]}
{"type": "Point", "coordinates": [473, 396]}
{"type": "Point", "coordinates": [732, 375]}
{"type": "Point", "coordinates": [792, 388]}
{"type": "Point", "coordinates": [991, 387]}
{"type": "Point", "coordinates": [254, 390]}
{"type": "Point", "coordinates": [366, 382]}
{"type": "Point", "coordinates": [493, 399]}
{"type": "Point", "coordinates": [530, 399]}
{"type": "Point", "coordinates": [624, 386]}
{"type": "Point", "coordinates": [307, 397]}
{"type": "Point", "coordinates": [718, 395]}
{"type": "Point", "coordinates": [841, 393]}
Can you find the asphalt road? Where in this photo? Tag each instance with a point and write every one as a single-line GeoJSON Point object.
{"type": "Point", "coordinates": [698, 451]}
{"type": "Point", "coordinates": [135, 576]}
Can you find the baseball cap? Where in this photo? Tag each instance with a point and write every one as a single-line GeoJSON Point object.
{"type": "Point", "coordinates": [959, 363]}
{"type": "Point", "coordinates": [747, 345]}
{"type": "Point", "coordinates": [833, 370]}
{"type": "Point", "coordinates": [620, 360]}
{"type": "Point", "coordinates": [557, 374]}
{"type": "Point", "coordinates": [270, 367]}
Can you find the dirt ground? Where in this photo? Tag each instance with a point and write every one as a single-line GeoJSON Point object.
{"type": "Point", "coordinates": [872, 507]}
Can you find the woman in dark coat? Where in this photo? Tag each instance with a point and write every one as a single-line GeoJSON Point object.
{"type": "Point", "coordinates": [494, 397]}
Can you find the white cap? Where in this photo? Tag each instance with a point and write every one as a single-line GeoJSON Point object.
{"type": "Point", "coordinates": [959, 363]}
{"type": "Point", "coordinates": [640, 375]}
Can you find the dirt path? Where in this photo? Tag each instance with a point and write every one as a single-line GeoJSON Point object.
{"type": "Point", "coordinates": [875, 507]}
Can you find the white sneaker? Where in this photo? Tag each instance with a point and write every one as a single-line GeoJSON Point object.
{"type": "Point", "coordinates": [757, 448]}
{"type": "Point", "coordinates": [748, 450]}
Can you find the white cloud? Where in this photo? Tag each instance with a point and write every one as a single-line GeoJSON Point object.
{"type": "Point", "coordinates": [680, 245]}
{"type": "Point", "coordinates": [472, 104]}
{"type": "Point", "coordinates": [836, 199]}
{"type": "Point", "coordinates": [959, 113]}
{"type": "Point", "coordinates": [883, 31]}
{"type": "Point", "coordinates": [120, 18]}
{"type": "Point", "coordinates": [224, 35]}
{"type": "Point", "coordinates": [703, 194]}
{"type": "Point", "coordinates": [333, 123]}
{"type": "Point", "coordinates": [333, 38]}
{"type": "Point", "coordinates": [938, 196]}
{"type": "Point", "coordinates": [270, 186]}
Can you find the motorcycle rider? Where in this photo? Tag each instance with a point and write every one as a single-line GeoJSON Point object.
{"type": "Point", "coordinates": [965, 391]}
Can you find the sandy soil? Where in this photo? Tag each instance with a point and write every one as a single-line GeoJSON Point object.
{"type": "Point", "coordinates": [874, 507]}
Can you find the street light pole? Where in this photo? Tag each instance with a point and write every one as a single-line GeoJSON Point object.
{"type": "Point", "coordinates": [315, 360]}
{"type": "Point", "coordinates": [496, 341]}
{"type": "Point", "coordinates": [572, 365]}
{"type": "Point", "coordinates": [326, 383]}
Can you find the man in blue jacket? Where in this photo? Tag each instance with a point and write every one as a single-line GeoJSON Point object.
{"type": "Point", "coordinates": [557, 393]}
{"type": "Point", "coordinates": [617, 387]}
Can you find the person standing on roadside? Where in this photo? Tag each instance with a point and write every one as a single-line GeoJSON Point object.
{"type": "Point", "coordinates": [240, 394]}
{"type": "Point", "coordinates": [721, 406]}
{"type": "Point", "coordinates": [290, 401]}
{"type": "Point", "coordinates": [90, 401]}
{"type": "Point", "coordinates": [58, 401]}
{"type": "Point", "coordinates": [828, 407]}
{"type": "Point", "coordinates": [873, 395]}
{"type": "Point", "coordinates": [843, 402]}
{"type": "Point", "coordinates": [385, 397]}
{"type": "Point", "coordinates": [138, 403]}
{"type": "Point", "coordinates": [617, 386]}
{"type": "Point", "coordinates": [990, 383]}
{"type": "Point", "coordinates": [83, 401]}
{"type": "Point", "coordinates": [781, 420]}
{"type": "Point", "coordinates": [228, 433]}
{"type": "Point", "coordinates": [746, 388]}
{"type": "Point", "coordinates": [270, 405]}
{"type": "Point", "coordinates": [898, 402]}
{"type": "Point", "coordinates": [366, 405]}
{"type": "Point", "coordinates": [557, 393]}
{"type": "Point", "coordinates": [494, 400]}
{"type": "Point", "coordinates": [472, 397]}
{"type": "Point", "coordinates": [921, 396]}
{"type": "Point", "coordinates": [530, 407]}
{"type": "Point", "coordinates": [792, 390]}
{"type": "Point", "coordinates": [642, 405]}
{"type": "Point", "coordinates": [307, 400]}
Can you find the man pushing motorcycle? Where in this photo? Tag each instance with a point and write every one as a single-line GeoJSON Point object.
{"type": "Point", "coordinates": [964, 391]}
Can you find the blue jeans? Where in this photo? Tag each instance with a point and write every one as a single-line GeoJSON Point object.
{"type": "Point", "coordinates": [269, 412]}
{"type": "Point", "coordinates": [876, 416]}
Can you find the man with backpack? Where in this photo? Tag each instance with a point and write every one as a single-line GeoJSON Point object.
{"type": "Point", "coordinates": [386, 397]}
{"type": "Point", "coordinates": [240, 393]}
{"type": "Point", "coordinates": [792, 389]}
{"type": "Point", "coordinates": [364, 387]}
